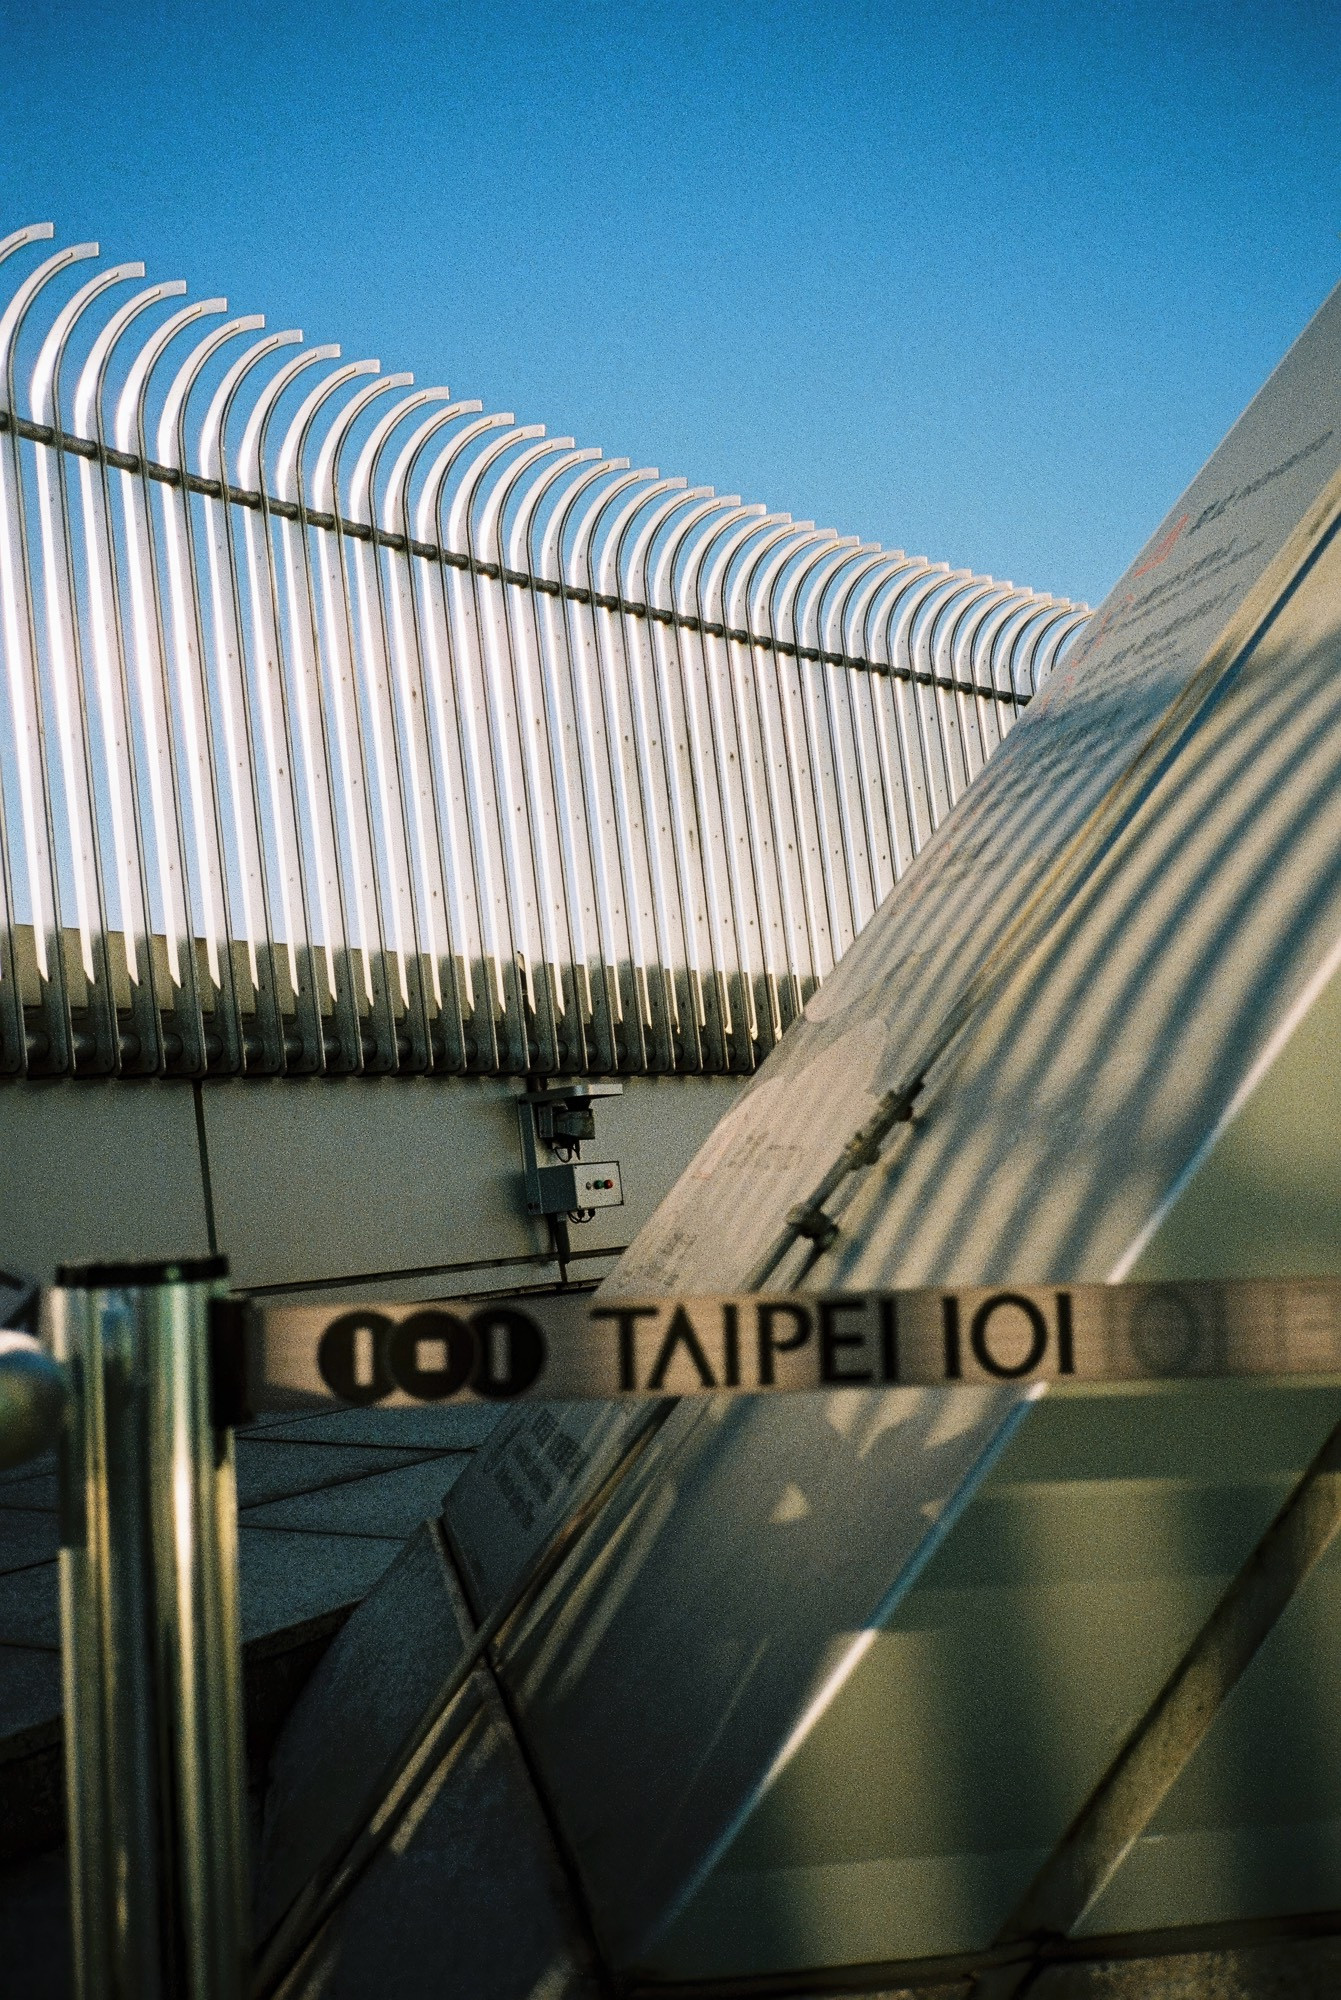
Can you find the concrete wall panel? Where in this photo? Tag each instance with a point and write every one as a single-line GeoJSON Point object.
{"type": "Point", "coordinates": [412, 1188]}
{"type": "Point", "coordinates": [98, 1170]}
{"type": "Point", "coordinates": [341, 1178]}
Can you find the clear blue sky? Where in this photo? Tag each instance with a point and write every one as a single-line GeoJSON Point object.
{"type": "Point", "coordinates": [985, 282]}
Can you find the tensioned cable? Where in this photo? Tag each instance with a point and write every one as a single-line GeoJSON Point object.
{"type": "Point", "coordinates": [264, 502]}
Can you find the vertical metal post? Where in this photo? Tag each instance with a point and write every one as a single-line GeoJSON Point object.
{"type": "Point", "coordinates": [150, 1637]}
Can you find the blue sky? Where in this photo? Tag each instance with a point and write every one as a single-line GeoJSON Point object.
{"type": "Point", "coordinates": [986, 282]}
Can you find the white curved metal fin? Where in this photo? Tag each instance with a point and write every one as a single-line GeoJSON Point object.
{"type": "Point", "coordinates": [292, 863]}
{"type": "Point", "coordinates": [506, 757]}
{"type": "Point", "coordinates": [226, 957]}
{"type": "Point", "coordinates": [42, 384]}
{"type": "Point", "coordinates": [86, 409]}
{"type": "Point", "coordinates": [171, 439]}
{"type": "Point", "coordinates": [19, 239]}
{"type": "Point", "coordinates": [531, 1005]}
{"type": "Point", "coordinates": [624, 1007]}
{"type": "Point", "coordinates": [79, 802]}
{"type": "Point", "coordinates": [424, 1012]}
{"type": "Point", "coordinates": [37, 868]}
{"type": "Point", "coordinates": [106, 628]}
{"type": "Point", "coordinates": [179, 913]}
{"type": "Point", "coordinates": [21, 303]}
{"type": "Point", "coordinates": [395, 497]}
{"type": "Point", "coordinates": [307, 723]}
{"type": "Point", "coordinates": [372, 1003]}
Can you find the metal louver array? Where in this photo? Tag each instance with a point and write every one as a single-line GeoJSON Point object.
{"type": "Point", "coordinates": [357, 730]}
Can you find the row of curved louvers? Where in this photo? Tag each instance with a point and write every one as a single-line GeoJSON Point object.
{"type": "Point", "coordinates": [346, 727]}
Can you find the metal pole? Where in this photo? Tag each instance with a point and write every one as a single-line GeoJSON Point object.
{"type": "Point", "coordinates": [150, 1637]}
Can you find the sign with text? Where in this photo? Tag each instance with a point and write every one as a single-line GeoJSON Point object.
{"type": "Point", "coordinates": [765, 1343]}
{"type": "Point", "coordinates": [1064, 1106]}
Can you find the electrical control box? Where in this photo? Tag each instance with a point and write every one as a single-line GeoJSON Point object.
{"type": "Point", "coordinates": [574, 1185]}
{"type": "Point", "coordinates": [555, 1120]}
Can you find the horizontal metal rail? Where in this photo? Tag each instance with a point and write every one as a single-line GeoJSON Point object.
{"type": "Point", "coordinates": [287, 510]}
{"type": "Point", "coordinates": [415, 741]}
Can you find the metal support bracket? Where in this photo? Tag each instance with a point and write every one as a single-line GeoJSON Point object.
{"type": "Point", "coordinates": [558, 1181]}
